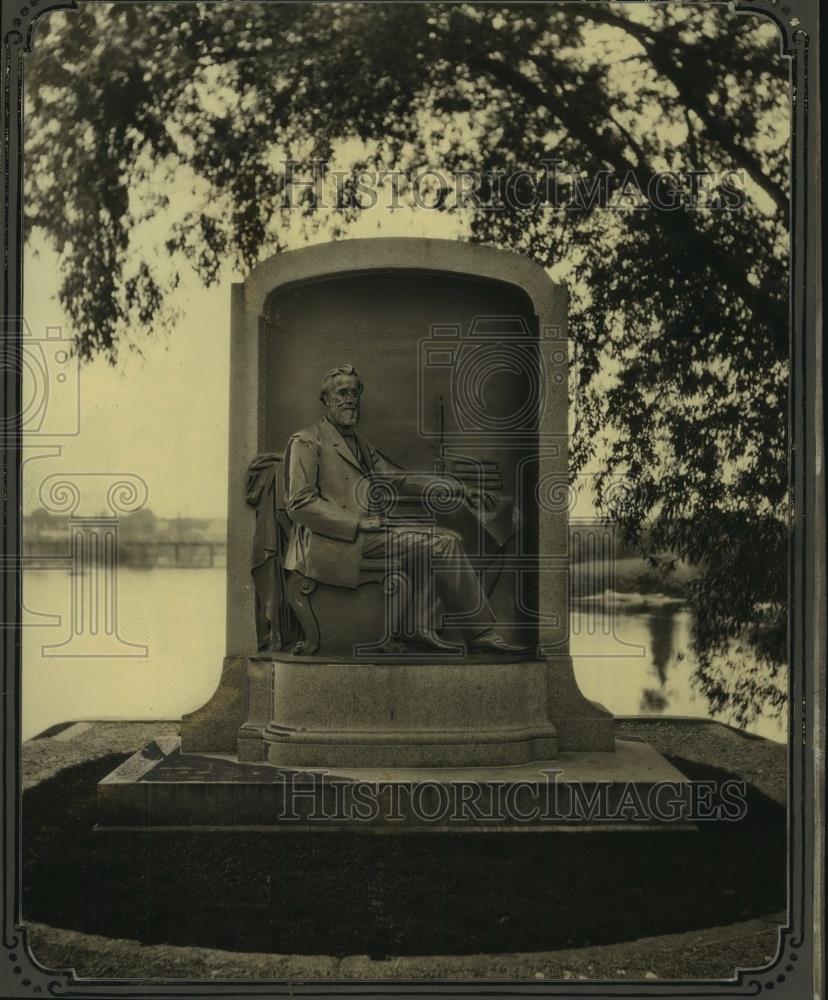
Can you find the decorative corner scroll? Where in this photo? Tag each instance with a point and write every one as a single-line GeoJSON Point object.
{"type": "Point", "coordinates": [21, 16]}
{"type": "Point", "coordinates": [23, 976]}
{"type": "Point", "coordinates": [792, 35]}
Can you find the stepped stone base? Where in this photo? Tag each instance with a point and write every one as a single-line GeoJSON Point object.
{"type": "Point", "coordinates": [633, 788]}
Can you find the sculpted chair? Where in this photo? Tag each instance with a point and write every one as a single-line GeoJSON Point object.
{"type": "Point", "coordinates": [297, 613]}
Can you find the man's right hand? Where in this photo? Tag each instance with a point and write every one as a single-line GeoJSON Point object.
{"type": "Point", "coordinates": [371, 524]}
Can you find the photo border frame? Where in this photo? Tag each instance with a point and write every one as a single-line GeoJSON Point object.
{"type": "Point", "coordinates": [797, 967]}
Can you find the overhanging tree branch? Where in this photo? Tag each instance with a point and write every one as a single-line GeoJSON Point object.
{"type": "Point", "coordinates": [684, 74]}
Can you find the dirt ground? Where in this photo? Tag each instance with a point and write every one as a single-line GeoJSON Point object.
{"type": "Point", "coordinates": [541, 905]}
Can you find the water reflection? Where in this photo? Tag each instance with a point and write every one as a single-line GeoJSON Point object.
{"type": "Point", "coordinates": [639, 662]}
{"type": "Point", "coordinates": [662, 628]}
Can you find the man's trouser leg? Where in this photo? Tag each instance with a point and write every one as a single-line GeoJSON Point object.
{"type": "Point", "coordinates": [442, 578]}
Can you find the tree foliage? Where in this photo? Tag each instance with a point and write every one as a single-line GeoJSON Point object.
{"type": "Point", "coordinates": [679, 318]}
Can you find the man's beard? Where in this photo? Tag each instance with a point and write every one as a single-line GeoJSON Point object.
{"type": "Point", "coordinates": [347, 417]}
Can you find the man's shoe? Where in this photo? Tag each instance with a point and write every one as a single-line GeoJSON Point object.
{"type": "Point", "coordinates": [491, 641]}
{"type": "Point", "coordinates": [430, 642]}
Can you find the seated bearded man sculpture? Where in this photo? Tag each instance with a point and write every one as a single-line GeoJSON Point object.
{"type": "Point", "coordinates": [327, 466]}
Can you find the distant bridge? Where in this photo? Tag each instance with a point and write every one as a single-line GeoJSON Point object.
{"type": "Point", "coordinates": [51, 554]}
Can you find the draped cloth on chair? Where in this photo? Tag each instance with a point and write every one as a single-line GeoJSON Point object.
{"type": "Point", "coordinates": [276, 625]}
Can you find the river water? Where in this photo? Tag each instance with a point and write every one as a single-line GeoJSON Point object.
{"type": "Point", "coordinates": [634, 658]}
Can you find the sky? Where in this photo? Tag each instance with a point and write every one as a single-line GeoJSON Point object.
{"type": "Point", "coordinates": [162, 416]}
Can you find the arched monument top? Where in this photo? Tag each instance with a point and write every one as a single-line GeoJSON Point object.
{"type": "Point", "coordinates": [351, 256]}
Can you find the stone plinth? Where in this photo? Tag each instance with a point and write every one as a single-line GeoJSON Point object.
{"type": "Point", "coordinates": [399, 714]}
{"type": "Point", "coordinates": [632, 788]}
{"type": "Point", "coordinates": [307, 712]}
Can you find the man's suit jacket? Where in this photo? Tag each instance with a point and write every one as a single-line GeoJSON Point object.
{"type": "Point", "coordinates": [323, 499]}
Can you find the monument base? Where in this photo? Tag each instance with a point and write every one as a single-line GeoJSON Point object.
{"type": "Point", "coordinates": [401, 713]}
{"type": "Point", "coordinates": [634, 788]}
{"type": "Point", "coordinates": [299, 711]}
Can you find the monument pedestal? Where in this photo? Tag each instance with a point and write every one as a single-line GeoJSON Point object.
{"type": "Point", "coordinates": [298, 712]}
{"type": "Point", "coordinates": [400, 714]}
